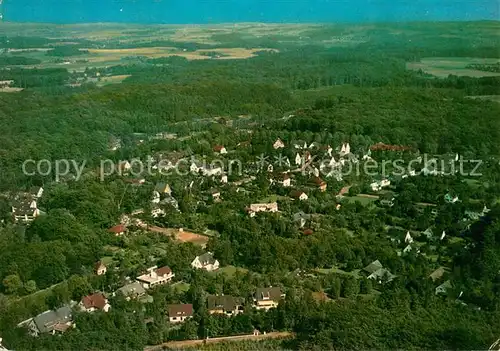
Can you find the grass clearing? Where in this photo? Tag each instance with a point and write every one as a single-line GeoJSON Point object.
{"type": "Point", "coordinates": [365, 201]}
{"type": "Point", "coordinates": [441, 67]}
{"type": "Point", "coordinates": [230, 270]}
{"type": "Point", "coordinates": [112, 80]}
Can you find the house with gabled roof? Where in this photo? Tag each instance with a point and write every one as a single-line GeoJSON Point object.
{"type": "Point", "coordinates": [49, 322]}
{"type": "Point", "coordinates": [220, 149]}
{"type": "Point", "coordinates": [156, 276]}
{"type": "Point", "coordinates": [206, 262]}
{"type": "Point", "coordinates": [372, 267]}
{"type": "Point", "coordinates": [319, 183]}
{"type": "Point", "coordinates": [94, 302]}
{"type": "Point", "coordinates": [131, 291]}
{"type": "Point", "coordinates": [438, 273]}
{"type": "Point", "coordinates": [36, 191]}
{"type": "Point", "coordinates": [100, 268]}
{"type": "Point", "coordinates": [268, 207]}
{"type": "Point", "coordinates": [301, 218]}
{"type": "Point", "coordinates": [444, 288]}
{"type": "Point", "coordinates": [267, 298]}
{"type": "Point", "coordinates": [298, 195]}
{"type": "Point", "coordinates": [178, 313]}
{"type": "Point", "coordinates": [118, 230]}
{"type": "Point", "coordinates": [278, 144]}
{"type": "Point", "coordinates": [163, 188]}
{"type": "Point", "coordinates": [225, 304]}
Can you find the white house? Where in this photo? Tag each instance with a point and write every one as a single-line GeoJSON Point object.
{"type": "Point", "coordinates": [267, 298]}
{"type": "Point", "coordinates": [178, 313]}
{"type": "Point", "coordinates": [298, 159]}
{"type": "Point", "coordinates": [220, 149]}
{"type": "Point", "coordinates": [270, 207]}
{"type": "Point", "coordinates": [278, 144]}
{"type": "Point", "coordinates": [443, 235]}
{"type": "Point", "coordinates": [100, 268]}
{"type": "Point", "coordinates": [223, 179]}
{"type": "Point", "coordinates": [408, 238]}
{"type": "Point", "coordinates": [299, 195]}
{"type": "Point", "coordinates": [156, 276]}
{"type": "Point", "coordinates": [206, 262]}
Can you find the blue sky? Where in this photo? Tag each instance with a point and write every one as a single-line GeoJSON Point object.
{"type": "Point", "coordinates": [214, 11]}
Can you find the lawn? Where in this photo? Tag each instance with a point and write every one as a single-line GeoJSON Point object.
{"type": "Point", "coordinates": [365, 201]}
{"type": "Point", "coordinates": [230, 270]}
{"type": "Point", "coordinates": [181, 287]}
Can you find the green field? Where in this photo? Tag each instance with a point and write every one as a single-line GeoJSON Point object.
{"type": "Point", "coordinates": [442, 67]}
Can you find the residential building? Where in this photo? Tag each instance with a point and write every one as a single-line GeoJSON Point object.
{"type": "Point", "coordinates": [100, 268]}
{"type": "Point", "coordinates": [408, 238]}
{"type": "Point", "coordinates": [223, 179]}
{"type": "Point", "coordinates": [25, 211]}
{"type": "Point", "coordinates": [267, 298]}
{"type": "Point", "coordinates": [215, 195]}
{"type": "Point", "coordinates": [163, 188]}
{"type": "Point", "coordinates": [284, 179]}
{"type": "Point", "coordinates": [178, 313]}
{"type": "Point", "coordinates": [298, 195]}
{"type": "Point", "coordinates": [301, 218]}
{"type": "Point", "coordinates": [118, 230]}
{"type": "Point", "coordinates": [36, 191]}
{"type": "Point", "coordinates": [298, 159]}
{"type": "Point", "coordinates": [224, 304]}
{"type": "Point", "coordinates": [156, 276]}
{"type": "Point", "coordinates": [206, 262]}
{"type": "Point", "coordinates": [319, 183]}
{"type": "Point", "coordinates": [49, 322]}
{"type": "Point", "coordinates": [157, 211]}
{"type": "Point", "coordinates": [220, 149]}
{"type": "Point", "coordinates": [94, 302]}
{"type": "Point", "coordinates": [372, 267]}
{"type": "Point", "coordinates": [382, 275]}
{"type": "Point", "coordinates": [133, 290]}
{"type": "Point", "coordinates": [278, 144]}
{"type": "Point", "coordinates": [269, 207]}
{"type": "Point", "coordinates": [443, 288]}
{"type": "Point", "coordinates": [438, 273]}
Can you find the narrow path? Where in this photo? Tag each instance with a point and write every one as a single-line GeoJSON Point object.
{"type": "Point", "coordinates": [193, 343]}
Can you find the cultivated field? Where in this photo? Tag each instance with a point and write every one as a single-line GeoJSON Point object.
{"type": "Point", "coordinates": [443, 66]}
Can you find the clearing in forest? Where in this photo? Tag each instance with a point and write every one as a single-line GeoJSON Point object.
{"type": "Point", "coordinates": [442, 67]}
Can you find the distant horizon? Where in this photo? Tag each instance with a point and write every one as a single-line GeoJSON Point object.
{"type": "Point", "coordinates": [200, 12]}
{"type": "Point", "coordinates": [249, 22]}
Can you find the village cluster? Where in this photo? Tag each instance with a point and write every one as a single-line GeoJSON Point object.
{"type": "Point", "coordinates": [301, 177]}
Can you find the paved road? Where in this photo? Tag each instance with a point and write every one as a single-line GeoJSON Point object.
{"type": "Point", "coordinates": [193, 343]}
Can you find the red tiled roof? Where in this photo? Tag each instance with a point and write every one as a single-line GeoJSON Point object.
{"type": "Point", "coordinates": [318, 181]}
{"type": "Point", "coordinates": [120, 228]}
{"type": "Point", "coordinates": [163, 270]}
{"type": "Point", "coordinates": [308, 232]}
{"type": "Point", "coordinates": [96, 300]}
{"type": "Point", "coordinates": [218, 148]}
